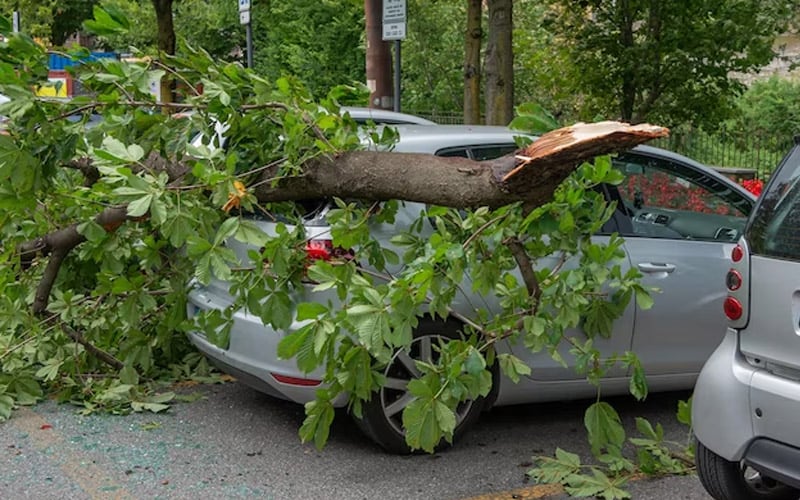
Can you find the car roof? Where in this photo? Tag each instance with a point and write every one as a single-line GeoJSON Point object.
{"type": "Point", "coordinates": [425, 139]}
{"type": "Point", "coordinates": [384, 116]}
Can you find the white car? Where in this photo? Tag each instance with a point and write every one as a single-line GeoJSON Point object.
{"type": "Point", "coordinates": [681, 243]}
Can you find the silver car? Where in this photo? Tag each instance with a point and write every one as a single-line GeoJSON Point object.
{"type": "Point", "coordinates": [746, 409]}
{"type": "Point", "coordinates": [680, 220]}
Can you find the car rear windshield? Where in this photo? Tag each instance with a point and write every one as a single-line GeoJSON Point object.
{"type": "Point", "coordinates": [774, 230]}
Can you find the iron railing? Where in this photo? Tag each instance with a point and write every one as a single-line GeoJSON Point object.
{"type": "Point", "coordinates": [723, 151]}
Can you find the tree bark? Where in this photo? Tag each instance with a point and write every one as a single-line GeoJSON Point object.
{"type": "Point", "coordinates": [499, 64]}
{"type": "Point", "coordinates": [531, 175]}
{"type": "Point", "coordinates": [166, 40]}
{"type": "Point", "coordinates": [472, 62]}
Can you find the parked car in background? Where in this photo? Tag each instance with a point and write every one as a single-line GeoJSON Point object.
{"type": "Point", "coordinates": [680, 220]}
{"type": "Point", "coordinates": [746, 409]}
{"type": "Point", "coordinates": [383, 116]}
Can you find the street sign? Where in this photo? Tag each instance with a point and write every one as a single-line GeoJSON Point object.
{"type": "Point", "coordinates": [244, 5]}
{"type": "Point", "coordinates": [394, 19]}
{"type": "Point", "coordinates": [244, 17]}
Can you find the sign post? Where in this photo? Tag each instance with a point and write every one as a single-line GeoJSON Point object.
{"type": "Point", "coordinates": [244, 18]}
{"type": "Point", "coordinates": [394, 28]}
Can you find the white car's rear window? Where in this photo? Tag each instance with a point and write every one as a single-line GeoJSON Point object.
{"type": "Point", "coordinates": [775, 228]}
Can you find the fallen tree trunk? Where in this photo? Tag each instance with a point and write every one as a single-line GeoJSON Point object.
{"type": "Point", "coordinates": [530, 175]}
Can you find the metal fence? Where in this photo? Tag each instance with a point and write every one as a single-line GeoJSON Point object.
{"type": "Point", "coordinates": [760, 154]}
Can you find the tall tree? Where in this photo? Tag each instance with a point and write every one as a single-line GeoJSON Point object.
{"type": "Point", "coordinates": [166, 41]}
{"type": "Point", "coordinates": [52, 21]}
{"type": "Point", "coordinates": [472, 61]}
{"type": "Point", "coordinates": [666, 60]}
{"type": "Point", "coordinates": [500, 64]}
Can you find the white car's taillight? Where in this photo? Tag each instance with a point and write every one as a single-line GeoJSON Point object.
{"type": "Point", "coordinates": [735, 305]}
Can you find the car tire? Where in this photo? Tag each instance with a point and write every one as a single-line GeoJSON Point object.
{"type": "Point", "coordinates": [382, 415]}
{"type": "Point", "coordinates": [726, 480]}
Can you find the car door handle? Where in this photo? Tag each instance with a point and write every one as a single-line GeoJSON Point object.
{"type": "Point", "coordinates": [656, 267]}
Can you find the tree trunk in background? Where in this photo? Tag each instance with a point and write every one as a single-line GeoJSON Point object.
{"type": "Point", "coordinates": [499, 64]}
{"type": "Point", "coordinates": [379, 58]}
{"type": "Point", "coordinates": [166, 40]}
{"type": "Point", "coordinates": [472, 62]}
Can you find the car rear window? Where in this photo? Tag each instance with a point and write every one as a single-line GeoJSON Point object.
{"type": "Point", "coordinates": [774, 230]}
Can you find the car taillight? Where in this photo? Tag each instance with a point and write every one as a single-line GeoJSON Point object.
{"type": "Point", "coordinates": [324, 250]}
{"type": "Point", "coordinates": [319, 249]}
{"type": "Point", "coordinates": [302, 382]}
{"type": "Point", "coordinates": [733, 308]}
{"type": "Point", "coordinates": [733, 280]}
{"type": "Point", "coordinates": [737, 253]}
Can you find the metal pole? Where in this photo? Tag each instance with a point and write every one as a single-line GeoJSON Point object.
{"type": "Point", "coordinates": [397, 67]}
{"type": "Point", "coordinates": [249, 31]}
{"type": "Point", "coordinates": [15, 20]}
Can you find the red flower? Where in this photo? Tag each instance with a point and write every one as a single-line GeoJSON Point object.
{"type": "Point", "coordinates": [755, 186]}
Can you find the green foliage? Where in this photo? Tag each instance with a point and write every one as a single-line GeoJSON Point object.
{"type": "Point", "coordinates": [123, 289]}
{"type": "Point", "coordinates": [666, 62]}
{"type": "Point", "coordinates": [51, 21]}
{"type": "Point", "coordinates": [654, 455]}
{"type": "Point", "coordinates": [321, 43]}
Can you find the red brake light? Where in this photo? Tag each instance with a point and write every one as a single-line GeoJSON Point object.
{"type": "Point", "coordinates": [303, 382]}
{"type": "Point", "coordinates": [733, 308]}
{"type": "Point", "coordinates": [319, 249]}
{"type": "Point", "coordinates": [737, 253]}
{"type": "Point", "coordinates": [733, 280]}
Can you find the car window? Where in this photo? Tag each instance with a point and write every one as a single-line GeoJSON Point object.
{"type": "Point", "coordinates": [460, 152]}
{"type": "Point", "coordinates": [481, 153]}
{"type": "Point", "coordinates": [775, 228]}
{"type": "Point", "coordinates": [669, 200]}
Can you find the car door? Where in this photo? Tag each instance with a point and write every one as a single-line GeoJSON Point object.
{"type": "Point", "coordinates": [685, 220]}
{"type": "Point", "coordinates": [547, 369]}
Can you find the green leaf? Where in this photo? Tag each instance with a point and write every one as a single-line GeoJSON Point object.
{"type": "Point", "coordinates": [226, 230]}
{"type": "Point", "coordinates": [310, 310]}
{"type": "Point", "coordinates": [475, 362]}
{"type": "Point", "coordinates": [598, 485]}
{"type": "Point", "coordinates": [513, 367]}
{"type": "Point", "coordinates": [604, 427]}
{"type": "Point", "coordinates": [115, 152]}
{"type": "Point", "coordinates": [317, 424]}
{"type": "Point", "coordinates": [445, 418]}
{"type": "Point", "coordinates": [6, 405]}
{"type": "Point", "coordinates": [685, 412]}
{"type": "Point", "coordinates": [638, 382]}
{"type": "Point", "coordinates": [140, 206]}
{"type": "Point", "coordinates": [555, 470]}
{"type": "Point", "coordinates": [93, 231]}
{"type": "Point", "coordinates": [646, 429]}
{"type": "Point", "coordinates": [248, 232]}
{"type": "Point", "coordinates": [421, 425]}
{"type": "Point", "coordinates": [643, 298]}
{"type": "Point", "coordinates": [290, 345]}
{"type": "Point", "coordinates": [108, 20]}
{"type": "Point", "coordinates": [534, 119]}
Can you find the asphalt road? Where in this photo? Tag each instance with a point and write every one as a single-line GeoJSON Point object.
{"type": "Point", "coordinates": [237, 443]}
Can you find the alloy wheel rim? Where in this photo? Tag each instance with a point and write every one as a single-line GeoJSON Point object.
{"type": "Point", "coordinates": [394, 395]}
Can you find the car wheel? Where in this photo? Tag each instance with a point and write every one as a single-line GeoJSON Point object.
{"type": "Point", "coordinates": [726, 480]}
{"type": "Point", "coordinates": [382, 415]}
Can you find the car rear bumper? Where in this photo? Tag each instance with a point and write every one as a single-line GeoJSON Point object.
{"type": "Point", "coordinates": [252, 356]}
{"type": "Point", "coordinates": [744, 413]}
